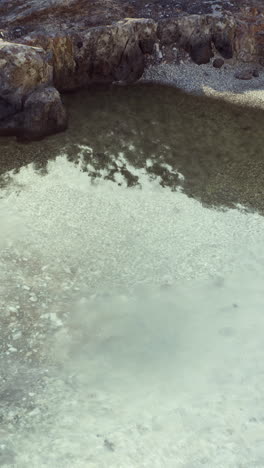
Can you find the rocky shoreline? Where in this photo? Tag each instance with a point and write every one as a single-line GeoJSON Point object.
{"type": "Point", "coordinates": [48, 48]}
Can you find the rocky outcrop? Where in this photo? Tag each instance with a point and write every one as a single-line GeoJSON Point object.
{"type": "Point", "coordinates": [103, 54]}
{"type": "Point", "coordinates": [239, 37]}
{"type": "Point", "coordinates": [72, 44]}
{"type": "Point", "coordinates": [29, 106]}
{"type": "Point", "coordinates": [66, 61]}
{"type": "Point", "coordinates": [22, 68]}
{"type": "Point", "coordinates": [249, 37]}
{"type": "Point", "coordinates": [198, 35]}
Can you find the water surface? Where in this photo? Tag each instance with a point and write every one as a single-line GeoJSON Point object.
{"type": "Point", "coordinates": [131, 314]}
{"type": "Point", "coordinates": [217, 146]}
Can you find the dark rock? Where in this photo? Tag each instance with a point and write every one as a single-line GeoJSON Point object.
{"type": "Point", "coordinates": [104, 54]}
{"type": "Point", "coordinates": [147, 45]}
{"type": "Point", "coordinates": [201, 52]}
{"type": "Point", "coordinates": [18, 32]}
{"type": "Point", "coordinates": [255, 73]}
{"type": "Point", "coordinates": [218, 63]}
{"type": "Point", "coordinates": [131, 66]}
{"type": "Point", "coordinates": [6, 109]}
{"type": "Point", "coordinates": [244, 75]}
{"type": "Point", "coordinates": [168, 31]}
{"type": "Point", "coordinates": [195, 33]}
{"type": "Point", "coordinates": [42, 114]}
{"type": "Point", "coordinates": [223, 45]}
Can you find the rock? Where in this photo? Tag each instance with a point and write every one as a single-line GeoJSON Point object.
{"type": "Point", "coordinates": [22, 69]}
{"type": "Point", "coordinates": [42, 114]}
{"type": "Point", "coordinates": [72, 44]}
{"type": "Point", "coordinates": [18, 32]}
{"type": "Point", "coordinates": [168, 31]}
{"type": "Point", "coordinates": [102, 54]}
{"type": "Point", "coordinates": [61, 48]}
{"type": "Point", "coordinates": [109, 54]}
{"type": "Point", "coordinates": [224, 47]}
{"type": "Point", "coordinates": [195, 34]}
{"type": "Point", "coordinates": [218, 63]}
{"type": "Point", "coordinates": [255, 73]}
{"type": "Point", "coordinates": [223, 40]}
{"type": "Point", "coordinates": [147, 45]}
{"type": "Point", "coordinates": [29, 106]}
{"type": "Point", "coordinates": [6, 109]}
{"type": "Point", "coordinates": [201, 52]}
{"type": "Point", "coordinates": [239, 35]}
{"type": "Point", "coordinates": [244, 75]}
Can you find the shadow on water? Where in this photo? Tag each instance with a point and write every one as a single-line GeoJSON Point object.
{"type": "Point", "coordinates": [217, 146]}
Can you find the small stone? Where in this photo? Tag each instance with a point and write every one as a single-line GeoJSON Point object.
{"type": "Point", "coordinates": [255, 73]}
{"type": "Point", "coordinates": [218, 63]}
{"type": "Point", "coordinates": [244, 75]}
{"type": "Point", "coordinates": [33, 299]}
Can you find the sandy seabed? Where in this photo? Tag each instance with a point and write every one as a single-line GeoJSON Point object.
{"type": "Point", "coordinates": [132, 326]}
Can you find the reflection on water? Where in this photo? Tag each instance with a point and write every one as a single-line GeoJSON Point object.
{"type": "Point", "coordinates": [217, 146]}
{"type": "Point", "coordinates": [131, 317]}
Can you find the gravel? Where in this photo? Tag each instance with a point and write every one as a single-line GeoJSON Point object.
{"type": "Point", "coordinates": [206, 80]}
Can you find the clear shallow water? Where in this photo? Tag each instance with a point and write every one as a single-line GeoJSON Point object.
{"type": "Point", "coordinates": [217, 146]}
{"type": "Point", "coordinates": [131, 317]}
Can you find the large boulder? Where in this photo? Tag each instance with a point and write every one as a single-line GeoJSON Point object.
{"type": "Point", "coordinates": [42, 114]}
{"type": "Point", "coordinates": [29, 106]}
{"type": "Point", "coordinates": [101, 54]}
{"type": "Point", "coordinates": [22, 69]}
